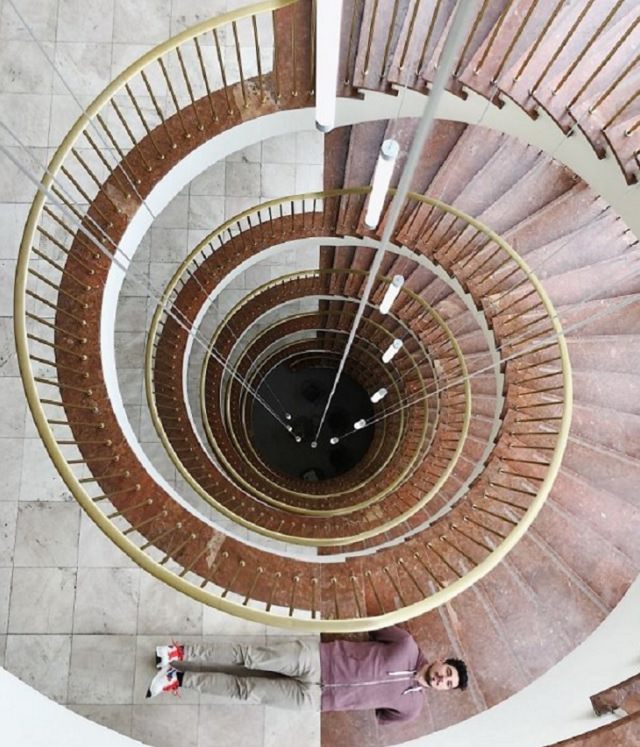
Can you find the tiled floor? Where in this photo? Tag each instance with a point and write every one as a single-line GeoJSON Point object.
{"type": "Point", "coordinates": [78, 620]}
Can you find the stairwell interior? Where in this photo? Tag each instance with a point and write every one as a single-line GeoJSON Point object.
{"type": "Point", "coordinates": [196, 233]}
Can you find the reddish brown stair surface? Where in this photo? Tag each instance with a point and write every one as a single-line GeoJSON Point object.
{"type": "Point", "coordinates": [582, 553]}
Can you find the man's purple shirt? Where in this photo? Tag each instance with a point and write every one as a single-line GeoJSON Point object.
{"type": "Point", "coordinates": [377, 674]}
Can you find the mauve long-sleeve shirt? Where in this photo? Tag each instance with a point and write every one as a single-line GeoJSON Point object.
{"type": "Point", "coordinates": [377, 674]}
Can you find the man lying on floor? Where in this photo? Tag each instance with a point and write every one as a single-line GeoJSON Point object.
{"type": "Point", "coordinates": [387, 673]}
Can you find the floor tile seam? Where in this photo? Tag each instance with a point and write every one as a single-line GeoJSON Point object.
{"type": "Point", "coordinates": [40, 568]}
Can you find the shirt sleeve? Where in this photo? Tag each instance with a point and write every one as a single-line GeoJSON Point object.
{"type": "Point", "coordinates": [391, 715]}
{"type": "Point", "coordinates": [389, 635]}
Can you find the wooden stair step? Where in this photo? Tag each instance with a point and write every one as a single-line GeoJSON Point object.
{"type": "Point", "coordinates": [623, 137]}
{"type": "Point", "coordinates": [510, 163]}
{"type": "Point", "coordinates": [574, 286]}
{"type": "Point", "coordinates": [613, 518]}
{"type": "Point", "coordinates": [574, 209]}
{"type": "Point", "coordinates": [565, 605]}
{"type": "Point", "coordinates": [614, 430]}
{"type": "Point", "coordinates": [567, 89]}
{"type": "Point", "coordinates": [588, 245]}
{"type": "Point", "coordinates": [535, 639]}
{"type": "Point", "coordinates": [424, 22]}
{"type": "Point", "coordinates": [606, 353]}
{"type": "Point", "coordinates": [538, 187]}
{"type": "Point", "coordinates": [619, 392]}
{"type": "Point", "coordinates": [558, 34]}
{"type": "Point", "coordinates": [379, 34]}
{"type": "Point", "coordinates": [606, 570]}
{"type": "Point", "coordinates": [604, 469]}
{"type": "Point", "coordinates": [495, 58]}
{"type": "Point", "coordinates": [497, 677]}
{"type": "Point", "coordinates": [616, 316]}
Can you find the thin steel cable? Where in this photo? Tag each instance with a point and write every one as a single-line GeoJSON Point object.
{"type": "Point", "coordinates": [125, 268]}
{"type": "Point", "coordinates": [542, 340]}
{"type": "Point", "coordinates": [548, 156]}
{"type": "Point", "coordinates": [463, 16]}
{"type": "Point", "coordinates": [101, 137]}
{"type": "Point", "coordinates": [83, 112]}
{"type": "Point", "coordinates": [409, 401]}
{"type": "Point", "coordinates": [266, 384]}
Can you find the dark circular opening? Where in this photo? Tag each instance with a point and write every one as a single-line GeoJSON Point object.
{"type": "Point", "coordinates": [303, 394]}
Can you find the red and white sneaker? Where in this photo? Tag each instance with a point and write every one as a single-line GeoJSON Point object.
{"type": "Point", "coordinates": [166, 655]}
{"type": "Point", "coordinates": [166, 681]}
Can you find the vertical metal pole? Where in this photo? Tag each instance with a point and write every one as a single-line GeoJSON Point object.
{"type": "Point", "coordinates": [464, 14]}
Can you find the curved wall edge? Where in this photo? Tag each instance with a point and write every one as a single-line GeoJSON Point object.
{"type": "Point", "coordinates": [556, 706]}
{"type": "Point", "coordinates": [32, 719]}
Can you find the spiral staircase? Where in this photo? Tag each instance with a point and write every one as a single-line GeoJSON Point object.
{"type": "Point", "coordinates": [493, 511]}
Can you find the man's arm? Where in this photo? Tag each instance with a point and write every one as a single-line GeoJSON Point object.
{"type": "Point", "coordinates": [390, 715]}
{"type": "Point", "coordinates": [389, 635]}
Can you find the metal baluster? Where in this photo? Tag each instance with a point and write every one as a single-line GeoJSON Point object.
{"type": "Point", "coordinates": [590, 43]}
{"type": "Point", "coordinates": [174, 98]}
{"type": "Point", "coordinates": [496, 29]}
{"type": "Point", "coordinates": [537, 42]}
{"type": "Point", "coordinates": [189, 89]}
{"type": "Point", "coordinates": [147, 129]}
{"type": "Point", "coordinates": [205, 77]}
{"type": "Point", "coordinates": [134, 142]}
{"type": "Point", "coordinates": [562, 45]}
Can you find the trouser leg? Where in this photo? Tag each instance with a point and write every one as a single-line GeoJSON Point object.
{"type": "Point", "coordinates": [299, 659]}
{"type": "Point", "coordinates": [281, 692]}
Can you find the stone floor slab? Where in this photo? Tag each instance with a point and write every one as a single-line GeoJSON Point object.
{"type": "Point", "coordinates": [101, 670]}
{"type": "Point", "coordinates": [41, 661]}
{"type": "Point", "coordinates": [42, 600]}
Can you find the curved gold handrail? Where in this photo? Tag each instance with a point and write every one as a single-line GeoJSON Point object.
{"type": "Point", "coordinates": [314, 496]}
{"type": "Point", "coordinates": [318, 541]}
{"type": "Point", "coordinates": [178, 581]}
{"type": "Point", "coordinates": [220, 455]}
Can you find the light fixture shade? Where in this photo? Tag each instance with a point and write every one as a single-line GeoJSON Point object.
{"type": "Point", "coordinates": [391, 350]}
{"type": "Point", "coordinates": [380, 394]}
{"type": "Point", "coordinates": [328, 23]}
{"type": "Point", "coordinates": [381, 179]}
{"type": "Point", "coordinates": [333, 440]}
{"type": "Point", "coordinates": [359, 424]}
{"type": "Point", "coordinates": [391, 294]}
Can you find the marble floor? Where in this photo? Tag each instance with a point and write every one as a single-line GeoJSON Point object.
{"type": "Point", "coordinates": [78, 621]}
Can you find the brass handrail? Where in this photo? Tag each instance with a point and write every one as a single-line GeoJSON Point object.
{"type": "Point", "coordinates": [372, 456]}
{"type": "Point", "coordinates": [122, 537]}
{"type": "Point", "coordinates": [293, 277]}
{"type": "Point", "coordinates": [302, 199]}
{"type": "Point", "coordinates": [194, 484]}
{"type": "Point", "coordinates": [328, 495]}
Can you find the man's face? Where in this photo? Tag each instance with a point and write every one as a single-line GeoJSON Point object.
{"type": "Point", "coordinates": [439, 676]}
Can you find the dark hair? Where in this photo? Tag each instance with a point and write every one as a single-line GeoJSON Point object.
{"type": "Point", "coordinates": [461, 668]}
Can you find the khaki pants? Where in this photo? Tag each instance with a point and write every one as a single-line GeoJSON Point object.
{"type": "Point", "coordinates": [295, 666]}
